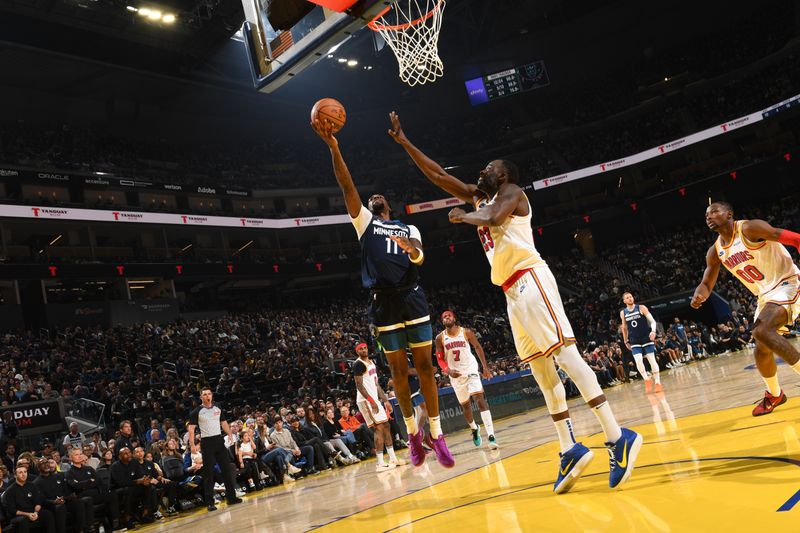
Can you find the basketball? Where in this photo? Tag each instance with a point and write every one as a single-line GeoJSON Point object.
{"type": "Point", "coordinates": [330, 109]}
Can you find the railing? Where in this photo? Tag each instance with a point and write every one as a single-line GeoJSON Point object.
{"type": "Point", "coordinates": [644, 289]}
{"type": "Point", "coordinates": [88, 413]}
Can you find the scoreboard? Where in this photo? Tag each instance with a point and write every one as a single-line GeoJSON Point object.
{"type": "Point", "coordinates": [507, 82]}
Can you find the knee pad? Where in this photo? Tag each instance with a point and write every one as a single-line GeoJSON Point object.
{"type": "Point", "coordinates": [651, 358]}
{"type": "Point", "coordinates": [544, 371]}
{"type": "Point", "coordinates": [569, 358]}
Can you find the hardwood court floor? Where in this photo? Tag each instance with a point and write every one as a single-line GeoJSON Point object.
{"type": "Point", "coordinates": [706, 463]}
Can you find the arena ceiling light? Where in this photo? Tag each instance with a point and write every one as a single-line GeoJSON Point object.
{"type": "Point", "coordinates": [154, 14]}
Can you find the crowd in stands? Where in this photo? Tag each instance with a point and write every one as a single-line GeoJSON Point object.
{"type": "Point", "coordinates": [278, 162]}
{"type": "Point", "coordinates": [283, 374]}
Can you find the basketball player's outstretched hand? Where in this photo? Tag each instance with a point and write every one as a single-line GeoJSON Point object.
{"type": "Point", "coordinates": [486, 374]}
{"type": "Point", "coordinates": [396, 131]}
{"type": "Point", "coordinates": [697, 301]}
{"type": "Point", "coordinates": [456, 215]}
{"type": "Point", "coordinates": [404, 243]}
{"type": "Point", "coordinates": [325, 131]}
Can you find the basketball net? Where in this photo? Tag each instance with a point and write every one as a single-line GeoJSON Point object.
{"type": "Point", "coordinates": [411, 28]}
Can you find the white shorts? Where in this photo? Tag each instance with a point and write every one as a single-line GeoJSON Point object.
{"type": "Point", "coordinates": [370, 417]}
{"type": "Point", "coordinates": [785, 295]}
{"type": "Point", "coordinates": [538, 321]}
{"type": "Point", "coordinates": [465, 386]}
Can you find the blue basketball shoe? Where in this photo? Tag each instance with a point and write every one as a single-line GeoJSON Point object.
{"type": "Point", "coordinates": [573, 463]}
{"type": "Point", "coordinates": [476, 437]}
{"type": "Point", "coordinates": [622, 457]}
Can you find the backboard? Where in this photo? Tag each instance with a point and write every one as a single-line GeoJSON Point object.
{"type": "Point", "coordinates": [275, 57]}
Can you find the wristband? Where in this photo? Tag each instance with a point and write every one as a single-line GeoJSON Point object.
{"type": "Point", "coordinates": [442, 362]}
{"type": "Point", "coordinates": [789, 238]}
{"type": "Point", "coordinates": [418, 260]}
{"type": "Point", "coordinates": [370, 400]}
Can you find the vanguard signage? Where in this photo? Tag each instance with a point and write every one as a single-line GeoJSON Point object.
{"type": "Point", "coordinates": [34, 418]}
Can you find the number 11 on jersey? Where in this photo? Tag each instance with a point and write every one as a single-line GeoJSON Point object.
{"type": "Point", "coordinates": [391, 246]}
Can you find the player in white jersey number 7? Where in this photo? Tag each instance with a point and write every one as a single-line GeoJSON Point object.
{"type": "Point", "coordinates": [751, 250]}
{"type": "Point", "coordinates": [454, 354]}
{"type": "Point", "coordinates": [542, 334]}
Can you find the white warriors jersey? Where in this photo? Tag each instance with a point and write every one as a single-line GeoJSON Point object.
{"type": "Point", "coordinates": [458, 353]}
{"type": "Point", "coordinates": [370, 381]}
{"type": "Point", "coordinates": [509, 247]}
{"type": "Point", "coordinates": [760, 266]}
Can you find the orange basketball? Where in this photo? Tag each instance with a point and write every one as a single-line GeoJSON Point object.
{"type": "Point", "coordinates": [331, 110]}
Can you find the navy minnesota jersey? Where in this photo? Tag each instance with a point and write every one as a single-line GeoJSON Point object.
{"type": "Point", "coordinates": [638, 326]}
{"type": "Point", "coordinates": [384, 264]}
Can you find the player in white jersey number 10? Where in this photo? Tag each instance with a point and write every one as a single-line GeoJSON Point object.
{"type": "Point", "coordinates": [454, 353]}
{"type": "Point", "coordinates": [751, 250]}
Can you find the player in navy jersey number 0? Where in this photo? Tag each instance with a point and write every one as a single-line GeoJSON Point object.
{"type": "Point", "coordinates": [390, 254]}
{"type": "Point", "coordinates": [639, 332]}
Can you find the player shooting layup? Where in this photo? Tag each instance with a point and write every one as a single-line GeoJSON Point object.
{"type": "Point", "coordinates": [390, 253]}
{"type": "Point", "coordinates": [538, 322]}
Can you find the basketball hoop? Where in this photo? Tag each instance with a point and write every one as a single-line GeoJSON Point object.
{"type": "Point", "coordinates": [411, 27]}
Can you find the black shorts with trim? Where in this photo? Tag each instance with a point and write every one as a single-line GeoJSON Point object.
{"type": "Point", "coordinates": [402, 318]}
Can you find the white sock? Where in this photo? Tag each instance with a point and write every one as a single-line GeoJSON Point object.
{"type": "Point", "coordinates": [796, 367]}
{"type": "Point", "coordinates": [379, 455]}
{"type": "Point", "coordinates": [392, 456]}
{"type": "Point", "coordinates": [411, 425]}
{"type": "Point", "coordinates": [417, 414]}
{"type": "Point", "coordinates": [486, 416]}
{"type": "Point", "coordinates": [473, 425]}
{"type": "Point", "coordinates": [609, 423]}
{"type": "Point", "coordinates": [566, 437]}
{"type": "Point", "coordinates": [436, 427]}
{"type": "Point", "coordinates": [656, 372]}
{"type": "Point", "coordinates": [773, 386]}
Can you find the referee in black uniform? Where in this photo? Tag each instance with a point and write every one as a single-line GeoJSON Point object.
{"type": "Point", "coordinates": [212, 420]}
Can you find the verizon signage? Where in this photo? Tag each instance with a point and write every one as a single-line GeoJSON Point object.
{"type": "Point", "coordinates": [435, 204]}
{"type": "Point", "coordinates": [666, 148]}
{"type": "Point", "coordinates": [98, 215]}
{"type": "Point", "coordinates": [617, 164]}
